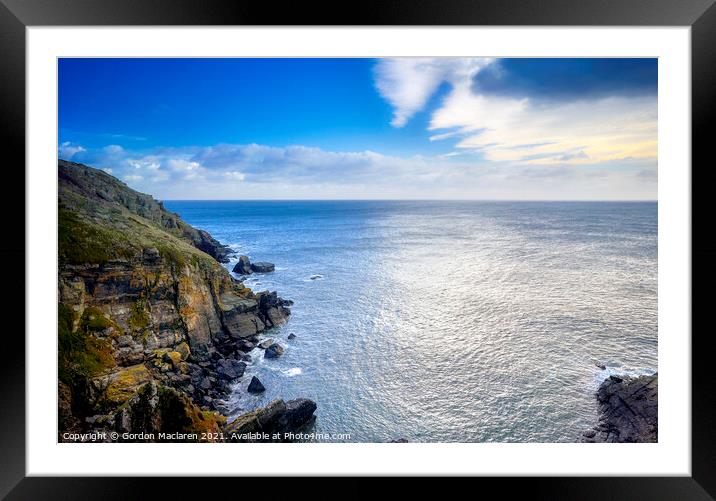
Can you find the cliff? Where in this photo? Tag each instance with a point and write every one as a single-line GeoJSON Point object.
{"type": "Point", "coordinates": [152, 329]}
{"type": "Point", "coordinates": [628, 410]}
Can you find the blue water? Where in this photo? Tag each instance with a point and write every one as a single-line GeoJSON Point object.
{"type": "Point", "coordinates": [448, 321]}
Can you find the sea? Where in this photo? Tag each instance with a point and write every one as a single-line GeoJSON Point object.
{"type": "Point", "coordinates": [447, 321]}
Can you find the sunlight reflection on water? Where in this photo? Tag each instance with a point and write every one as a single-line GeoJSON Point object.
{"type": "Point", "coordinates": [449, 321]}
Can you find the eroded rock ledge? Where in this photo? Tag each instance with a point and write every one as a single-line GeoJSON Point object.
{"type": "Point", "coordinates": [628, 410]}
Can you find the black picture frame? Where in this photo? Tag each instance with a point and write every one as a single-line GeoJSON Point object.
{"type": "Point", "coordinates": [17, 15]}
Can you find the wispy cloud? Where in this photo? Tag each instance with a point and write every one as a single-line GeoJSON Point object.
{"type": "Point", "coordinates": [572, 112]}
{"type": "Point", "coordinates": [254, 171]}
{"type": "Point", "coordinates": [68, 150]}
{"type": "Point", "coordinates": [408, 83]}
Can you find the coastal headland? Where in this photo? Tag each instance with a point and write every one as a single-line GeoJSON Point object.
{"type": "Point", "coordinates": [153, 331]}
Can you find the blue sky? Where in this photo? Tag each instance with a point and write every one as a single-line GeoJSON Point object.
{"type": "Point", "coordinates": [365, 128]}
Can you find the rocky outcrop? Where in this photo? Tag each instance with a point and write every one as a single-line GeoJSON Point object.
{"type": "Point", "coordinates": [79, 184]}
{"type": "Point", "coordinates": [628, 410]}
{"type": "Point", "coordinates": [273, 423]}
{"type": "Point", "coordinates": [262, 267]}
{"type": "Point", "coordinates": [145, 310]}
{"type": "Point", "coordinates": [243, 266]}
{"type": "Point", "coordinates": [273, 351]}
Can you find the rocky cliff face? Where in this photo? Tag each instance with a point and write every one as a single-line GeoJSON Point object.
{"type": "Point", "coordinates": [628, 410]}
{"type": "Point", "coordinates": [149, 321]}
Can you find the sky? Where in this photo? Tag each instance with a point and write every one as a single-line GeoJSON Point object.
{"type": "Point", "coordinates": [401, 128]}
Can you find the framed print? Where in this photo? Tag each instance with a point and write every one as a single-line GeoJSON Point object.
{"type": "Point", "coordinates": [453, 241]}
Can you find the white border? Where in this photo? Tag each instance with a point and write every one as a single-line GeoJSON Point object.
{"type": "Point", "coordinates": [670, 456]}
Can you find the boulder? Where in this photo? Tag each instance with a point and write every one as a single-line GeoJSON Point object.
{"type": "Point", "coordinates": [255, 386]}
{"type": "Point", "coordinates": [230, 369]}
{"type": "Point", "coordinates": [292, 336]}
{"type": "Point", "coordinates": [172, 357]}
{"type": "Point", "coordinates": [246, 345]}
{"type": "Point", "coordinates": [262, 267]}
{"type": "Point", "coordinates": [273, 351]}
{"type": "Point", "coordinates": [183, 350]}
{"type": "Point", "coordinates": [266, 343]}
{"type": "Point", "coordinates": [273, 310]}
{"type": "Point", "coordinates": [123, 383]}
{"type": "Point", "coordinates": [243, 266]}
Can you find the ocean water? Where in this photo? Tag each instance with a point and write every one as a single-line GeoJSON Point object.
{"type": "Point", "coordinates": [448, 321]}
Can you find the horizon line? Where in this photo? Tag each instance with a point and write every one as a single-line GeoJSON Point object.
{"type": "Point", "coordinates": [629, 200]}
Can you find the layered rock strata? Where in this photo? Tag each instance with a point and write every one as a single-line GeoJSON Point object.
{"type": "Point", "coordinates": [149, 322]}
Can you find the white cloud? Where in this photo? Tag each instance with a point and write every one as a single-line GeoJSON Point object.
{"type": "Point", "coordinates": [67, 150]}
{"type": "Point", "coordinates": [408, 83]}
{"type": "Point", "coordinates": [511, 130]}
{"type": "Point", "coordinates": [256, 171]}
{"type": "Point", "coordinates": [235, 175]}
{"type": "Point", "coordinates": [504, 129]}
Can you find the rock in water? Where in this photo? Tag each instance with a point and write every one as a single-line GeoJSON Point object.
{"type": "Point", "coordinates": [265, 344]}
{"type": "Point", "coordinates": [628, 410]}
{"type": "Point", "coordinates": [277, 417]}
{"type": "Point", "coordinates": [292, 336]}
{"type": "Point", "coordinates": [262, 267]}
{"type": "Point", "coordinates": [243, 266]}
{"type": "Point", "coordinates": [273, 351]}
{"type": "Point", "coordinates": [255, 386]}
{"type": "Point", "coordinates": [273, 309]}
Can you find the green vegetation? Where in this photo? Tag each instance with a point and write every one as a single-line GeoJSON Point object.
{"type": "Point", "coordinates": [93, 319]}
{"type": "Point", "coordinates": [139, 318]}
{"type": "Point", "coordinates": [81, 356]}
{"type": "Point", "coordinates": [81, 242]}
{"type": "Point", "coordinates": [179, 414]}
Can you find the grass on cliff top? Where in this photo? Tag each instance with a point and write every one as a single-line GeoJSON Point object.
{"type": "Point", "coordinates": [120, 235]}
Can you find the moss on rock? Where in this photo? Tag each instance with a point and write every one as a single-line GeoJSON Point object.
{"type": "Point", "coordinates": [122, 384]}
{"type": "Point", "coordinates": [139, 318]}
{"type": "Point", "coordinates": [80, 355]}
{"type": "Point", "coordinates": [94, 319]}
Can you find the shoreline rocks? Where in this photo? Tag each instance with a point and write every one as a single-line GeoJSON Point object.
{"type": "Point", "coordinates": [274, 351]}
{"type": "Point", "coordinates": [255, 386]}
{"type": "Point", "coordinates": [276, 422]}
{"type": "Point", "coordinates": [244, 266]}
{"type": "Point", "coordinates": [262, 267]}
{"type": "Point", "coordinates": [628, 410]}
{"type": "Point", "coordinates": [150, 325]}
{"type": "Point", "coordinates": [265, 343]}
